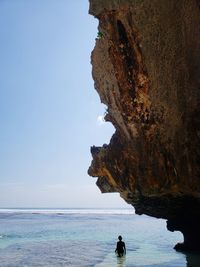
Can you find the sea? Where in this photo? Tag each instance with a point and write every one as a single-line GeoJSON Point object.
{"type": "Point", "coordinates": [87, 238]}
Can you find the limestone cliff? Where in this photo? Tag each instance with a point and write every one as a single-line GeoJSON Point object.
{"type": "Point", "coordinates": [146, 70]}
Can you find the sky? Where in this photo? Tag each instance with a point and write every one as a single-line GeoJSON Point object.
{"type": "Point", "coordinates": [50, 113]}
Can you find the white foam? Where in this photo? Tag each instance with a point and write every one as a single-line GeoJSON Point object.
{"type": "Point", "coordinates": [69, 211]}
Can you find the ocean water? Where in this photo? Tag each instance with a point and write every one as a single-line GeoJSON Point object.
{"type": "Point", "coordinates": [87, 237]}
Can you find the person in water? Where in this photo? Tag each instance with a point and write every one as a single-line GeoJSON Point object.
{"type": "Point", "coordinates": [121, 248]}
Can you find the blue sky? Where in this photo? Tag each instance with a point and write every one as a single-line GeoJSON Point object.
{"type": "Point", "coordinates": [50, 113]}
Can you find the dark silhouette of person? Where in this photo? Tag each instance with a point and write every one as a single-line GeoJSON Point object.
{"type": "Point", "coordinates": [121, 248]}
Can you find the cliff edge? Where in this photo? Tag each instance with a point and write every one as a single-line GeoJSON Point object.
{"type": "Point", "coordinates": [146, 69]}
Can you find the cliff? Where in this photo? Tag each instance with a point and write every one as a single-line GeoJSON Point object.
{"type": "Point", "coordinates": [146, 70]}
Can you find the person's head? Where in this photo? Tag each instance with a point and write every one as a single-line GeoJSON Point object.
{"type": "Point", "coordinates": [120, 238]}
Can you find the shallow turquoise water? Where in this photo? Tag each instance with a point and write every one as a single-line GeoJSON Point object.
{"type": "Point", "coordinates": [87, 238]}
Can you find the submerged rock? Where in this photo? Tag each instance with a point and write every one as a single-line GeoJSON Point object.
{"type": "Point", "coordinates": [146, 70]}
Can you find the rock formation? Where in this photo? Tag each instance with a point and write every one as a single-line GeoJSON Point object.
{"type": "Point", "coordinates": [146, 70]}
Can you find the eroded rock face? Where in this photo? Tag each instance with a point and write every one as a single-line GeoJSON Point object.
{"type": "Point", "coordinates": [146, 68]}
